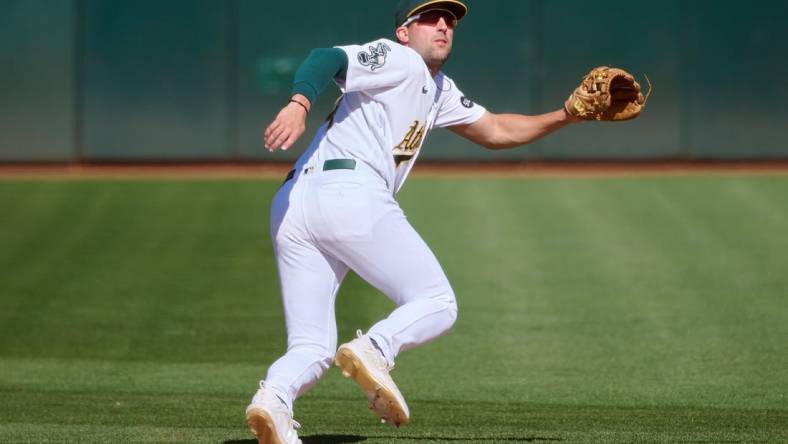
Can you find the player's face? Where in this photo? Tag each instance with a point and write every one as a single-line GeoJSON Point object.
{"type": "Point", "coordinates": [431, 35]}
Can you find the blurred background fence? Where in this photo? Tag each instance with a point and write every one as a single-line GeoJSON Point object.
{"type": "Point", "coordinates": [197, 80]}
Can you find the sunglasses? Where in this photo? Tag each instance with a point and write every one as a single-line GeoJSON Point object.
{"type": "Point", "coordinates": [432, 17]}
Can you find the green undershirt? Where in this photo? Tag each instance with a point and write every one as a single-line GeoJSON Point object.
{"type": "Point", "coordinates": [321, 66]}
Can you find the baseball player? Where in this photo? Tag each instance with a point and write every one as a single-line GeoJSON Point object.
{"type": "Point", "coordinates": [336, 210]}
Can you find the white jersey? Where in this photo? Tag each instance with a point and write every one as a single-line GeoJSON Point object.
{"type": "Point", "coordinates": [390, 103]}
{"type": "Point", "coordinates": [326, 223]}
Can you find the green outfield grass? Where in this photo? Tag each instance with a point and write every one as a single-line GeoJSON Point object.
{"type": "Point", "coordinates": [597, 310]}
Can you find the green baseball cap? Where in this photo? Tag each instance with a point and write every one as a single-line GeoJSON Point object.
{"type": "Point", "coordinates": [408, 8]}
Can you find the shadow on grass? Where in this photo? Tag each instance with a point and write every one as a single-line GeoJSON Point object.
{"type": "Point", "coordinates": [472, 439]}
{"type": "Point", "coordinates": [340, 439]}
{"type": "Point", "coordinates": [314, 439]}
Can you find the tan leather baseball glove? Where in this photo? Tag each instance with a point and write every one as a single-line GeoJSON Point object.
{"type": "Point", "coordinates": [607, 94]}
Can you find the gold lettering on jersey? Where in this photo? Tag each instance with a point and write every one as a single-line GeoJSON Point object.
{"type": "Point", "coordinates": [412, 139]}
{"type": "Point", "coordinates": [406, 149]}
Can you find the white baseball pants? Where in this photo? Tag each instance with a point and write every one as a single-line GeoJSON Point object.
{"type": "Point", "coordinates": [324, 223]}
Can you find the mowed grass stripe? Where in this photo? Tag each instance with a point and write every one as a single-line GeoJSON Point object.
{"type": "Point", "coordinates": [621, 308]}
{"type": "Point", "coordinates": [31, 220]}
{"type": "Point", "coordinates": [146, 250]}
{"type": "Point", "coordinates": [196, 422]}
{"type": "Point", "coordinates": [218, 417]}
{"type": "Point", "coordinates": [698, 335]}
{"type": "Point", "coordinates": [616, 310]}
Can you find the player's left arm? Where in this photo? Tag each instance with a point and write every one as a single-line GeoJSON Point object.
{"type": "Point", "coordinates": [501, 131]}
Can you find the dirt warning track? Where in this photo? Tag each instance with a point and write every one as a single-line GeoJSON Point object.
{"type": "Point", "coordinates": [423, 169]}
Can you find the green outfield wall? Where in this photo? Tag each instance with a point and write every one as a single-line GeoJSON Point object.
{"type": "Point", "coordinates": [194, 80]}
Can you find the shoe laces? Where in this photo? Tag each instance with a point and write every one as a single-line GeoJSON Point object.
{"type": "Point", "coordinates": [376, 354]}
{"type": "Point", "coordinates": [281, 406]}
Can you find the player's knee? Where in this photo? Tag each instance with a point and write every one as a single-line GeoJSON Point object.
{"type": "Point", "coordinates": [449, 305]}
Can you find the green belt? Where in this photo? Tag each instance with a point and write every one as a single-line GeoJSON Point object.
{"type": "Point", "coordinates": [328, 165]}
{"type": "Point", "coordinates": [339, 164]}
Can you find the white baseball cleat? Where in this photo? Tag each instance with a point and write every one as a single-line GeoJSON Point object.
{"type": "Point", "coordinates": [269, 419]}
{"type": "Point", "coordinates": [361, 360]}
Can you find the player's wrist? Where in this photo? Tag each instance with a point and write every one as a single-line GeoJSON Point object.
{"type": "Point", "coordinates": [302, 101]}
{"type": "Point", "coordinates": [568, 117]}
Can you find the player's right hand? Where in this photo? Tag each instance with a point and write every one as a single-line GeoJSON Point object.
{"type": "Point", "coordinates": [288, 126]}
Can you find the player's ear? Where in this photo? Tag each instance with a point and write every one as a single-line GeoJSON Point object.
{"type": "Point", "coordinates": [402, 34]}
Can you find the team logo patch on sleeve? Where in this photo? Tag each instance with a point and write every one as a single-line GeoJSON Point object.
{"type": "Point", "coordinates": [466, 102]}
{"type": "Point", "coordinates": [376, 57]}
